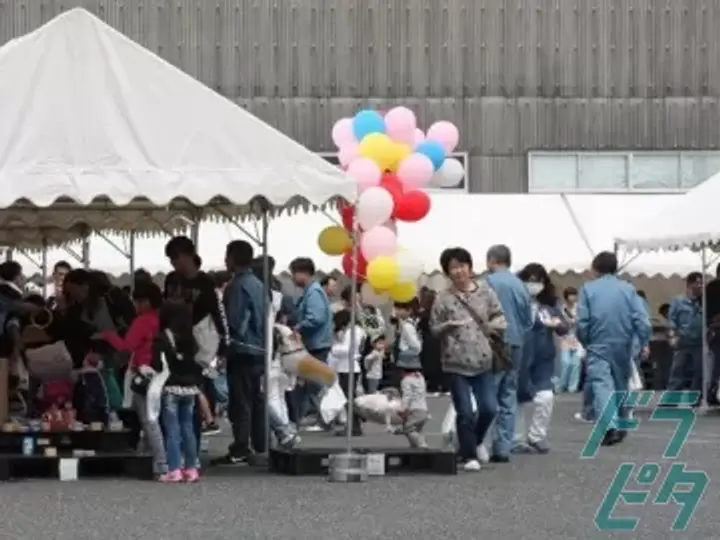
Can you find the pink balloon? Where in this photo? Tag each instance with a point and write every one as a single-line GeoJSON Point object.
{"type": "Point", "coordinates": [347, 154]}
{"type": "Point", "coordinates": [400, 125]}
{"type": "Point", "coordinates": [445, 133]}
{"type": "Point", "coordinates": [342, 133]}
{"type": "Point", "coordinates": [415, 171]}
{"type": "Point", "coordinates": [418, 137]}
{"type": "Point", "coordinates": [365, 172]}
{"type": "Point", "coordinates": [378, 242]}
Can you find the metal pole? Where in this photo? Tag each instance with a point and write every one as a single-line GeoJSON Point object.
{"type": "Point", "coordinates": [44, 267]}
{"type": "Point", "coordinates": [131, 254]}
{"type": "Point", "coordinates": [705, 356]}
{"type": "Point", "coordinates": [353, 338]}
{"type": "Point", "coordinates": [269, 323]}
{"type": "Point", "coordinates": [86, 252]}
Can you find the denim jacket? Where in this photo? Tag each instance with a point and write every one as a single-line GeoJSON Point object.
{"type": "Point", "coordinates": [686, 319]}
{"type": "Point", "coordinates": [245, 307]}
{"type": "Point", "coordinates": [313, 318]}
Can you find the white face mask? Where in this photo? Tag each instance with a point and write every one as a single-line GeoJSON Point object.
{"type": "Point", "coordinates": [535, 288]}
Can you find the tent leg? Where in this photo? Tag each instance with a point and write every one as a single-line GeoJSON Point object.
{"type": "Point", "coordinates": [269, 323]}
{"type": "Point", "coordinates": [131, 254]}
{"type": "Point", "coordinates": [44, 267]}
{"type": "Point", "coordinates": [86, 252]}
{"type": "Point", "coordinates": [706, 361]}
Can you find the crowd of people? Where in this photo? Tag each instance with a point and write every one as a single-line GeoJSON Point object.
{"type": "Point", "coordinates": [168, 361]}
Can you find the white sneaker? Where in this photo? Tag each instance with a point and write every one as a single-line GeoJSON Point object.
{"type": "Point", "coordinates": [580, 418]}
{"type": "Point", "coordinates": [483, 454]}
{"type": "Point", "coordinates": [472, 466]}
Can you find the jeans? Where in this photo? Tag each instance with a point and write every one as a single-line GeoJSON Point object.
{"type": "Point", "coordinates": [307, 395]}
{"type": "Point", "coordinates": [279, 425]}
{"type": "Point", "coordinates": [180, 441]}
{"type": "Point", "coordinates": [569, 370]}
{"type": "Point", "coordinates": [246, 405]}
{"type": "Point", "coordinates": [686, 372]}
{"type": "Point", "coordinates": [472, 427]}
{"type": "Point", "coordinates": [507, 387]}
{"type": "Point", "coordinates": [373, 385]}
{"type": "Point", "coordinates": [220, 389]}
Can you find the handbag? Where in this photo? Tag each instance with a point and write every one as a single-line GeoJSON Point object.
{"type": "Point", "coordinates": [49, 362]}
{"type": "Point", "coordinates": [501, 355]}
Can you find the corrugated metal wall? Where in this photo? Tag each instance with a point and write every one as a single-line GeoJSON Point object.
{"type": "Point", "coordinates": [516, 75]}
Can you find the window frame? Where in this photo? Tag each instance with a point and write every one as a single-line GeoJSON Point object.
{"type": "Point", "coordinates": [629, 155]}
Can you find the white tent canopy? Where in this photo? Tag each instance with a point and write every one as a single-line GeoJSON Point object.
{"type": "Point", "coordinates": [690, 221]}
{"type": "Point", "coordinates": [563, 233]}
{"type": "Point", "coordinates": [98, 133]}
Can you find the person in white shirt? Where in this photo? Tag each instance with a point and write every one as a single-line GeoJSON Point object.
{"type": "Point", "coordinates": [374, 363]}
{"type": "Point", "coordinates": [413, 387]}
{"type": "Point", "coordinates": [342, 359]}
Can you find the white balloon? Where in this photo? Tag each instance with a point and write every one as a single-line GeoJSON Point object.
{"type": "Point", "coordinates": [450, 174]}
{"type": "Point", "coordinates": [371, 298]}
{"type": "Point", "coordinates": [411, 266]}
{"type": "Point", "coordinates": [374, 207]}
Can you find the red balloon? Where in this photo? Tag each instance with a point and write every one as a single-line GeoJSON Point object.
{"type": "Point", "coordinates": [361, 266]}
{"type": "Point", "coordinates": [347, 215]}
{"type": "Point", "coordinates": [413, 206]}
{"type": "Point", "coordinates": [391, 183]}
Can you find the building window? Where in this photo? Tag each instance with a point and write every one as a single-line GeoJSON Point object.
{"type": "Point", "coordinates": [462, 157]}
{"type": "Point", "coordinates": [619, 172]}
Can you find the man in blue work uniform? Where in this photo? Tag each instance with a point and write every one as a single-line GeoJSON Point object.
{"type": "Point", "coordinates": [517, 304]}
{"type": "Point", "coordinates": [611, 316]}
{"type": "Point", "coordinates": [686, 325]}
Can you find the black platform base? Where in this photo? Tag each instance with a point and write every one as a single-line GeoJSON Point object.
{"type": "Point", "coordinates": [381, 461]}
{"type": "Point", "coordinates": [15, 467]}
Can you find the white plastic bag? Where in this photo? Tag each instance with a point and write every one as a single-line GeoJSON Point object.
{"type": "Point", "coordinates": [332, 403]}
{"type": "Point", "coordinates": [449, 426]}
{"type": "Point", "coordinates": [636, 383]}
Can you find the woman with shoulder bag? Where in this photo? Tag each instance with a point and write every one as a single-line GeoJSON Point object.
{"type": "Point", "coordinates": [469, 322]}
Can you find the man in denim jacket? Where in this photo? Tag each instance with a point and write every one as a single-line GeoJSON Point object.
{"type": "Point", "coordinates": [314, 323]}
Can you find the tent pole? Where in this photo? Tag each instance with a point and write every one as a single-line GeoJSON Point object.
{"type": "Point", "coordinates": [705, 356]}
{"type": "Point", "coordinates": [131, 255]}
{"type": "Point", "coordinates": [44, 267]}
{"type": "Point", "coordinates": [269, 323]}
{"type": "Point", "coordinates": [86, 252]}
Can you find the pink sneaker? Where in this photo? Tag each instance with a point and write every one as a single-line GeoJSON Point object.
{"type": "Point", "coordinates": [191, 476]}
{"type": "Point", "coordinates": [172, 477]}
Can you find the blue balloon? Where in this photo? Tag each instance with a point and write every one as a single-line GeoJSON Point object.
{"type": "Point", "coordinates": [434, 151]}
{"type": "Point", "coordinates": [367, 122]}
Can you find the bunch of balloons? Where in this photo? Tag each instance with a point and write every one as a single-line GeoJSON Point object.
{"type": "Point", "coordinates": [391, 160]}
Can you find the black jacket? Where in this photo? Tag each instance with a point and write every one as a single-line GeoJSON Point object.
{"type": "Point", "coordinates": [180, 357]}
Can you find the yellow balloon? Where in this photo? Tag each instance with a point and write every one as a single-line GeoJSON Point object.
{"type": "Point", "coordinates": [382, 273]}
{"type": "Point", "coordinates": [380, 148]}
{"type": "Point", "coordinates": [334, 240]}
{"type": "Point", "coordinates": [403, 292]}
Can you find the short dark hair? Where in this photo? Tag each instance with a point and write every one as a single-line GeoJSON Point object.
{"type": "Point", "coordinates": [141, 275]}
{"type": "Point", "coordinates": [457, 254]}
{"type": "Point", "coordinates": [326, 280]}
{"type": "Point", "coordinates": [693, 277]}
{"type": "Point", "coordinates": [148, 291]}
{"type": "Point", "coordinates": [642, 294]}
{"type": "Point", "coordinates": [240, 253]}
{"type": "Point", "coordinates": [664, 309]}
{"type": "Point", "coordinates": [61, 265]}
{"type": "Point", "coordinates": [499, 253]}
{"type": "Point", "coordinates": [197, 260]}
{"type": "Point", "coordinates": [259, 262]}
{"type": "Point", "coordinates": [569, 291]}
{"type": "Point", "coordinates": [302, 265]}
{"type": "Point", "coordinates": [605, 263]}
{"type": "Point", "coordinates": [179, 245]}
{"type": "Point", "coordinates": [10, 270]}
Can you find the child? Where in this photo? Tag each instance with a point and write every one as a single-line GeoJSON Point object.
{"type": "Point", "coordinates": [138, 341]}
{"type": "Point", "coordinates": [412, 383]}
{"type": "Point", "coordinates": [177, 344]}
{"type": "Point", "coordinates": [341, 359]}
{"type": "Point", "coordinates": [374, 364]}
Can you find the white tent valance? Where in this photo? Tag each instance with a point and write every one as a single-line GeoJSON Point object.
{"type": "Point", "coordinates": [98, 133]}
{"type": "Point", "coordinates": [690, 221]}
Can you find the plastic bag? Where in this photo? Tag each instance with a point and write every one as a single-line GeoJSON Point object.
{"type": "Point", "coordinates": [449, 425]}
{"type": "Point", "coordinates": [636, 383]}
{"type": "Point", "coordinates": [332, 403]}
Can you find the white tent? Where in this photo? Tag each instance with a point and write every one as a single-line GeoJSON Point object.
{"type": "Point", "coordinates": [98, 133]}
{"type": "Point", "coordinates": [690, 221]}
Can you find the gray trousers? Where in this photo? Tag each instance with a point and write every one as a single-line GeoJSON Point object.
{"type": "Point", "coordinates": [413, 426]}
{"type": "Point", "coordinates": [152, 439]}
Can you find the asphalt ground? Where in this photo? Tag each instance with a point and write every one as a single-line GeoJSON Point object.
{"type": "Point", "coordinates": [554, 496]}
